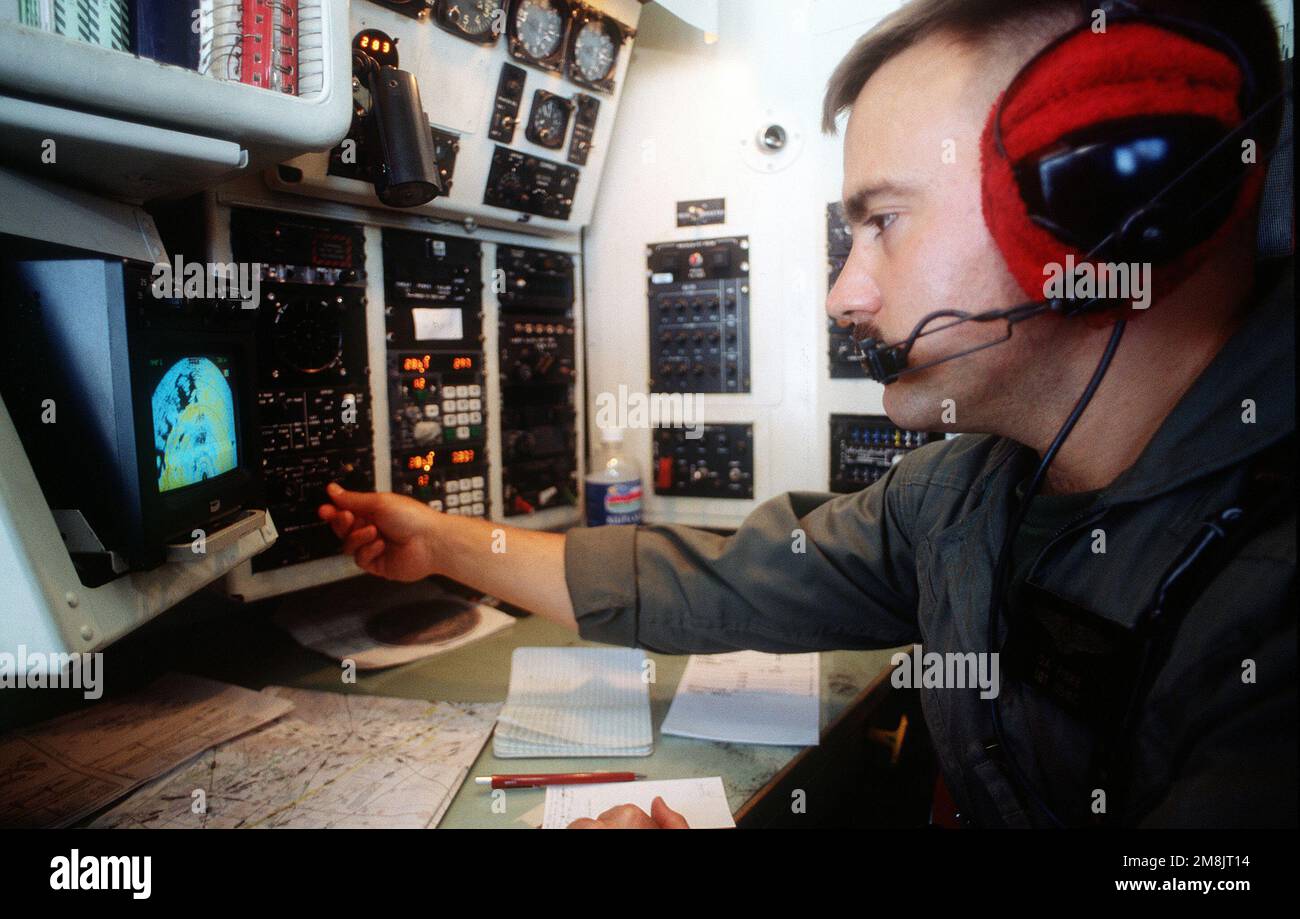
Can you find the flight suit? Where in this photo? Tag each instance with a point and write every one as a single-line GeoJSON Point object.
{"type": "Point", "coordinates": [911, 559]}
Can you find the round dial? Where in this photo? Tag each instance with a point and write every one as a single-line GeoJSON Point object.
{"type": "Point", "coordinates": [474, 17]}
{"type": "Point", "coordinates": [539, 25]}
{"type": "Point", "coordinates": [308, 334]}
{"type": "Point", "coordinates": [593, 51]}
{"type": "Point", "coordinates": [550, 118]}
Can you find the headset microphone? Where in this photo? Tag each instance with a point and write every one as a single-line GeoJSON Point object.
{"type": "Point", "coordinates": [886, 363]}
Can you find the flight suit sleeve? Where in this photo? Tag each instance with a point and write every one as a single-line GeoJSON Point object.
{"type": "Point", "coordinates": [804, 572]}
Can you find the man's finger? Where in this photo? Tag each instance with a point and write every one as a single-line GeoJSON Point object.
{"type": "Point", "coordinates": [361, 502]}
{"type": "Point", "coordinates": [340, 521]}
{"type": "Point", "coordinates": [627, 817]}
{"type": "Point", "coordinates": [586, 823]}
{"type": "Point", "coordinates": [666, 817]}
{"type": "Point", "coordinates": [359, 538]}
{"type": "Point", "coordinates": [368, 554]}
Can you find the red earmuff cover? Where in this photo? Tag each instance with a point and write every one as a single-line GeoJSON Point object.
{"type": "Point", "coordinates": [1131, 69]}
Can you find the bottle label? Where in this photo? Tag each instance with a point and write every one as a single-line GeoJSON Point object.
{"type": "Point", "coordinates": [619, 502]}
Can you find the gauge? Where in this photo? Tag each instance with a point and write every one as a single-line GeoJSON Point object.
{"type": "Point", "coordinates": [308, 334]}
{"type": "Point", "coordinates": [593, 51]}
{"type": "Point", "coordinates": [537, 31]}
{"type": "Point", "coordinates": [378, 46]}
{"type": "Point", "coordinates": [476, 20]}
{"type": "Point", "coordinates": [549, 119]}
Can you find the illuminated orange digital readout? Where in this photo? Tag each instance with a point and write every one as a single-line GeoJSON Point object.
{"type": "Point", "coordinates": [422, 481]}
{"type": "Point", "coordinates": [417, 364]}
{"type": "Point", "coordinates": [462, 456]}
{"type": "Point", "coordinates": [418, 383]}
{"type": "Point", "coordinates": [462, 363]}
{"type": "Point", "coordinates": [424, 462]}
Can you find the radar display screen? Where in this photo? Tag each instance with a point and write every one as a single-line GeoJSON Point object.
{"type": "Point", "coordinates": [195, 432]}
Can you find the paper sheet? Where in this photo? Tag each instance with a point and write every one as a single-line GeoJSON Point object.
{"type": "Point", "coordinates": [380, 625]}
{"type": "Point", "coordinates": [703, 802]}
{"type": "Point", "coordinates": [575, 702]}
{"type": "Point", "coordinates": [57, 772]}
{"type": "Point", "coordinates": [338, 761]}
{"type": "Point", "coordinates": [749, 697]}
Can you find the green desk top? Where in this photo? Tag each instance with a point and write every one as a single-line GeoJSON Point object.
{"type": "Point", "coordinates": [239, 644]}
{"type": "Point", "coordinates": [480, 673]}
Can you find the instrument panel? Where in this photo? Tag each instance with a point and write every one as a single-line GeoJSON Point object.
{"type": "Point", "coordinates": [313, 402]}
{"type": "Point", "coordinates": [699, 315]}
{"type": "Point", "coordinates": [864, 447]}
{"type": "Point", "coordinates": [520, 97]}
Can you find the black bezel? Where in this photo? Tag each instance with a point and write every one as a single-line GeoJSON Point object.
{"type": "Point", "coordinates": [542, 97]}
{"type": "Point", "coordinates": [615, 29]}
{"type": "Point", "coordinates": [441, 18]}
{"type": "Point", "coordinates": [553, 62]}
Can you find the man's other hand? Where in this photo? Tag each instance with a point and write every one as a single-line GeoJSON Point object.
{"type": "Point", "coordinates": [631, 817]}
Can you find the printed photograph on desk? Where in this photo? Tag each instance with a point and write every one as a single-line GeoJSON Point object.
{"type": "Point", "coordinates": [873, 416]}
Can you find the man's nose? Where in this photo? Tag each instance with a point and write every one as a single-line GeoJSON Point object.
{"type": "Point", "coordinates": [855, 296]}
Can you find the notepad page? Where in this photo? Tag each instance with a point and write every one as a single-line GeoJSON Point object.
{"type": "Point", "coordinates": [749, 697]}
{"type": "Point", "coordinates": [703, 802]}
{"type": "Point", "coordinates": [575, 702]}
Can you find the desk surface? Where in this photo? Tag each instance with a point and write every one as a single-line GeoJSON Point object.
{"type": "Point", "coordinates": [481, 672]}
{"type": "Point", "coordinates": [243, 647]}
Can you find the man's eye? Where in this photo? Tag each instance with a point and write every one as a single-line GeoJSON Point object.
{"type": "Point", "coordinates": [880, 222]}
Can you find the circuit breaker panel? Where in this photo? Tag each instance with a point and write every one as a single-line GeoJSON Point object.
{"type": "Point", "coordinates": [699, 316]}
{"type": "Point", "coordinates": [712, 461]}
{"type": "Point", "coordinates": [864, 447]}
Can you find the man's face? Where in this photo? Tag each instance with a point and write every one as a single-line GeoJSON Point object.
{"type": "Point", "coordinates": [912, 197]}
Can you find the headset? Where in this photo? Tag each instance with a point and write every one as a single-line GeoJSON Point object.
{"type": "Point", "coordinates": [1123, 145]}
{"type": "Point", "coordinates": [1129, 189]}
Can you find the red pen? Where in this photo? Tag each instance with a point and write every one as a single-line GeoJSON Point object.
{"type": "Point", "coordinates": [555, 778]}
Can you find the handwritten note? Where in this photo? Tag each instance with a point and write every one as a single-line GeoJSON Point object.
{"type": "Point", "coordinates": [703, 802]}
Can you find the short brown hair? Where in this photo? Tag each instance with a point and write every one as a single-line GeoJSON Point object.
{"type": "Point", "coordinates": [1248, 23]}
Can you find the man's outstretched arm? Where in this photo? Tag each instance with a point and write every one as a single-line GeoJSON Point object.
{"type": "Point", "coordinates": [397, 537]}
{"type": "Point", "coordinates": [804, 572]}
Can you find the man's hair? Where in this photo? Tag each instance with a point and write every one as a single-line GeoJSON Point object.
{"type": "Point", "coordinates": [1247, 23]}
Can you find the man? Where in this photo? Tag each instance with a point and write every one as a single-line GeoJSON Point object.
{"type": "Point", "coordinates": [1201, 386]}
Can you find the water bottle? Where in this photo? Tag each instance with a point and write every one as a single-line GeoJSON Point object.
{"type": "Point", "coordinates": [613, 483]}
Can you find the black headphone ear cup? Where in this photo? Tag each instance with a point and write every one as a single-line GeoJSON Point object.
{"type": "Point", "coordinates": [1140, 189]}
